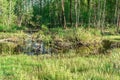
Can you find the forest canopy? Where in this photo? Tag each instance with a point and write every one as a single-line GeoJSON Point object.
{"type": "Point", "coordinates": [62, 13]}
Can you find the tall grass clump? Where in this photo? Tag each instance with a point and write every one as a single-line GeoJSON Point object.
{"type": "Point", "coordinates": [3, 28]}
{"type": "Point", "coordinates": [79, 34]}
{"type": "Point", "coordinates": [63, 68]}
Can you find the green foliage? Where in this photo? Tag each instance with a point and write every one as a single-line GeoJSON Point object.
{"type": "Point", "coordinates": [42, 36]}
{"type": "Point", "coordinates": [3, 28]}
{"type": "Point", "coordinates": [13, 28]}
{"type": "Point", "coordinates": [79, 34]}
{"type": "Point", "coordinates": [44, 28]}
{"type": "Point", "coordinates": [7, 48]}
{"type": "Point", "coordinates": [16, 28]}
{"type": "Point", "coordinates": [19, 35]}
{"type": "Point", "coordinates": [33, 13]}
{"type": "Point", "coordinates": [59, 68]}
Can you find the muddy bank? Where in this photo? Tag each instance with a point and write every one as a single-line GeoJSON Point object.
{"type": "Point", "coordinates": [46, 42]}
{"type": "Point", "coordinates": [35, 47]}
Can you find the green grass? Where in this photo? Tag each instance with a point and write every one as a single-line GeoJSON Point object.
{"type": "Point", "coordinates": [19, 34]}
{"type": "Point", "coordinates": [67, 67]}
{"type": "Point", "coordinates": [23, 67]}
{"type": "Point", "coordinates": [112, 37]}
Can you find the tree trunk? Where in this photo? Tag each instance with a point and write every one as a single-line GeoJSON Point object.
{"type": "Point", "coordinates": [9, 14]}
{"type": "Point", "coordinates": [99, 14]}
{"type": "Point", "coordinates": [70, 12]}
{"type": "Point", "coordinates": [118, 21]}
{"type": "Point", "coordinates": [89, 13]}
{"type": "Point", "coordinates": [103, 17]}
{"type": "Point", "coordinates": [76, 13]}
{"type": "Point", "coordinates": [117, 15]}
{"type": "Point", "coordinates": [63, 15]}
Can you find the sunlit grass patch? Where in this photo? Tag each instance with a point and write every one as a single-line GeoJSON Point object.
{"type": "Point", "coordinates": [80, 68]}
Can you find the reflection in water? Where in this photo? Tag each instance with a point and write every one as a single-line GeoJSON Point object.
{"type": "Point", "coordinates": [34, 47]}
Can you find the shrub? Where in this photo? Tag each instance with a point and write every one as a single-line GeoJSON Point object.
{"type": "Point", "coordinates": [12, 28]}
{"type": "Point", "coordinates": [15, 27]}
{"type": "Point", "coordinates": [7, 48]}
{"type": "Point", "coordinates": [3, 28]}
{"type": "Point", "coordinates": [42, 36]}
{"type": "Point", "coordinates": [80, 34]}
{"type": "Point", "coordinates": [44, 28]}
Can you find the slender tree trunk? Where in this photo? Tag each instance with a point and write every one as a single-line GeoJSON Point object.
{"type": "Point", "coordinates": [117, 16]}
{"type": "Point", "coordinates": [70, 12]}
{"type": "Point", "coordinates": [57, 8]}
{"type": "Point", "coordinates": [50, 22]}
{"type": "Point", "coordinates": [116, 9]}
{"type": "Point", "coordinates": [95, 15]}
{"type": "Point", "coordinates": [89, 13]}
{"type": "Point", "coordinates": [118, 20]}
{"type": "Point", "coordinates": [99, 14]}
{"type": "Point", "coordinates": [9, 13]}
{"type": "Point", "coordinates": [63, 15]}
{"type": "Point", "coordinates": [79, 12]}
{"type": "Point", "coordinates": [76, 13]}
{"type": "Point", "coordinates": [19, 20]}
{"type": "Point", "coordinates": [41, 11]}
{"type": "Point", "coordinates": [103, 17]}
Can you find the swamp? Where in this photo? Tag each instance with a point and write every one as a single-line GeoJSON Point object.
{"type": "Point", "coordinates": [59, 39]}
